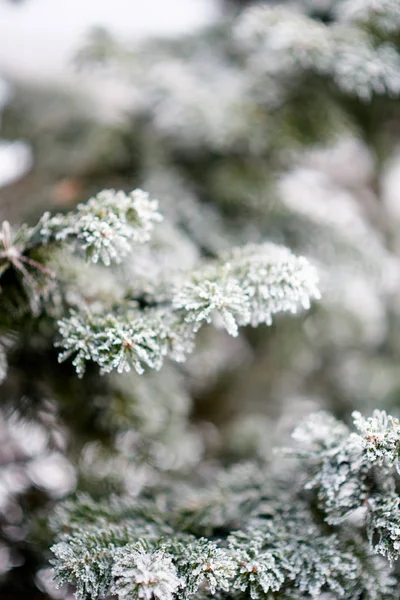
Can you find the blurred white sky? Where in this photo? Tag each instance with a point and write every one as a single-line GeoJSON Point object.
{"type": "Point", "coordinates": [39, 37]}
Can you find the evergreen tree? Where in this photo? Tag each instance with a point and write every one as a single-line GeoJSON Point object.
{"type": "Point", "coordinates": [149, 365]}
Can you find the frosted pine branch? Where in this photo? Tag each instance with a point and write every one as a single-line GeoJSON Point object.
{"type": "Point", "coordinates": [145, 575]}
{"type": "Point", "coordinates": [202, 564]}
{"type": "Point", "coordinates": [105, 229]}
{"type": "Point", "coordinates": [380, 435]}
{"type": "Point", "coordinates": [248, 286]}
{"type": "Point", "coordinates": [280, 41]}
{"type": "Point", "coordinates": [352, 471]}
{"type": "Point", "coordinates": [107, 225]}
{"type": "Point", "coordinates": [245, 287]}
{"type": "Point", "coordinates": [258, 569]}
{"type": "Point", "coordinates": [136, 339]}
{"type": "Point", "coordinates": [87, 560]}
{"type": "Point", "coordinates": [287, 552]}
{"type": "Point", "coordinates": [266, 535]}
{"type": "Point", "coordinates": [383, 525]}
{"type": "Point", "coordinates": [214, 295]}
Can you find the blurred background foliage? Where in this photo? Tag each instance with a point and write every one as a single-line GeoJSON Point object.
{"type": "Point", "coordinates": [240, 142]}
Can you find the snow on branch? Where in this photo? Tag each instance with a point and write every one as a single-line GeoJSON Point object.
{"type": "Point", "coordinates": [244, 287]}
{"type": "Point", "coordinates": [356, 471]}
{"type": "Point", "coordinates": [280, 41]}
{"type": "Point", "coordinates": [107, 225]}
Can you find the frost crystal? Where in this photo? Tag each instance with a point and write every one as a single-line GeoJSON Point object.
{"type": "Point", "coordinates": [274, 279]}
{"type": "Point", "coordinates": [215, 298]}
{"type": "Point", "coordinates": [380, 435]}
{"type": "Point", "coordinates": [107, 225]}
{"type": "Point", "coordinates": [144, 575]}
{"type": "Point", "coordinates": [248, 286]}
{"type": "Point", "coordinates": [86, 559]}
{"type": "Point", "coordinates": [383, 525]}
{"type": "Point", "coordinates": [291, 549]}
{"type": "Point", "coordinates": [352, 471]}
{"type": "Point", "coordinates": [337, 465]}
{"type": "Point", "coordinates": [318, 562]}
{"type": "Point", "coordinates": [112, 342]}
{"type": "Point", "coordinates": [258, 570]}
{"type": "Point", "coordinates": [203, 565]}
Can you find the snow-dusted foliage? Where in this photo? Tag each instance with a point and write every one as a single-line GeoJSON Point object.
{"type": "Point", "coordinates": [380, 437]}
{"type": "Point", "coordinates": [281, 41]}
{"type": "Point", "coordinates": [112, 342]}
{"type": "Point", "coordinates": [244, 287]}
{"type": "Point", "coordinates": [87, 560]}
{"type": "Point", "coordinates": [259, 569]}
{"type": "Point", "coordinates": [356, 471]}
{"type": "Point", "coordinates": [270, 138]}
{"type": "Point", "coordinates": [202, 565]}
{"type": "Point", "coordinates": [107, 225]}
{"type": "Point", "coordinates": [248, 286]}
{"type": "Point", "coordinates": [104, 229]}
{"type": "Point", "coordinates": [274, 538]}
{"type": "Point", "coordinates": [146, 575]}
